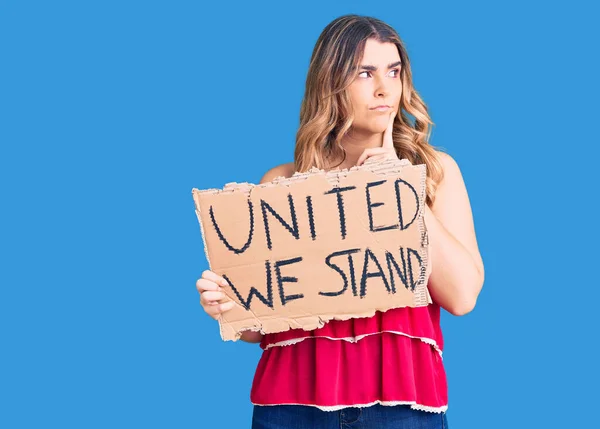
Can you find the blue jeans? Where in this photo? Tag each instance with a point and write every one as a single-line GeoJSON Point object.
{"type": "Point", "coordinates": [373, 417]}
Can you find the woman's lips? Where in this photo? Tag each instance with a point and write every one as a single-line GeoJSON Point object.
{"type": "Point", "coordinates": [381, 109]}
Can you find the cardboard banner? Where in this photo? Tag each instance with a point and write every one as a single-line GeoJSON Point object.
{"type": "Point", "coordinates": [318, 246]}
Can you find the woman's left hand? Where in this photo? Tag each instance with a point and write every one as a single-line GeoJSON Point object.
{"type": "Point", "coordinates": [387, 147]}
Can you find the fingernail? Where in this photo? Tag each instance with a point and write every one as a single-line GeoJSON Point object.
{"type": "Point", "coordinates": [224, 282]}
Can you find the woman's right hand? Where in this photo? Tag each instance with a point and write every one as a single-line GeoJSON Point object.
{"type": "Point", "coordinates": [212, 298]}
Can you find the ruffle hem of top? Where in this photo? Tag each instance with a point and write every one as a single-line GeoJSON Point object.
{"type": "Point", "coordinates": [391, 358]}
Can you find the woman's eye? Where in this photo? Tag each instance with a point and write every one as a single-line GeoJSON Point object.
{"type": "Point", "coordinates": [394, 70]}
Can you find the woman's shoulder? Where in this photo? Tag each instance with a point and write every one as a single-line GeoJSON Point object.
{"type": "Point", "coordinates": [285, 170]}
{"type": "Point", "coordinates": [445, 159]}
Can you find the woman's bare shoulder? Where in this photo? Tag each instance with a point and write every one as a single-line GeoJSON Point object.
{"type": "Point", "coordinates": [285, 170]}
{"type": "Point", "coordinates": [443, 156]}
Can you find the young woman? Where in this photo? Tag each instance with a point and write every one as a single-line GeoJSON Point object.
{"type": "Point", "coordinates": [384, 371]}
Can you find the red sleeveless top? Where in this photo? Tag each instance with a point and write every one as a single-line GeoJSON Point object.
{"type": "Point", "coordinates": [393, 357]}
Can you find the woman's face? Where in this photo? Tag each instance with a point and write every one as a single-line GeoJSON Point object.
{"type": "Point", "coordinates": [377, 83]}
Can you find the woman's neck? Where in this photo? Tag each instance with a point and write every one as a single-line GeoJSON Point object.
{"type": "Point", "coordinates": [354, 144]}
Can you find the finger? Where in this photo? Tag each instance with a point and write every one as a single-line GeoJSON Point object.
{"type": "Point", "coordinates": [364, 155]}
{"type": "Point", "coordinates": [209, 275]}
{"type": "Point", "coordinates": [388, 141]}
{"type": "Point", "coordinates": [203, 285]}
{"type": "Point", "coordinates": [212, 311]}
{"type": "Point", "coordinates": [210, 295]}
{"type": "Point", "coordinates": [216, 310]}
{"type": "Point", "coordinates": [380, 156]}
{"type": "Point", "coordinates": [367, 153]}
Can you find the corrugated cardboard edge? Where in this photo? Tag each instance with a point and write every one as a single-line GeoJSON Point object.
{"type": "Point", "coordinates": [378, 167]}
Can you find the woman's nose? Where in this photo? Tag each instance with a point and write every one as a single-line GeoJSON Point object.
{"type": "Point", "coordinates": [382, 88]}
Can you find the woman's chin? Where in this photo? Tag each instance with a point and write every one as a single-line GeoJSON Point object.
{"type": "Point", "coordinates": [375, 127]}
{"type": "Point", "coordinates": [378, 128]}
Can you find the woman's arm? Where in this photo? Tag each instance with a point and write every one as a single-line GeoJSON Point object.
{"type": "Point", "coordinates": [251, 336]}
{"type": "Point", "coordinates": [457, 273]}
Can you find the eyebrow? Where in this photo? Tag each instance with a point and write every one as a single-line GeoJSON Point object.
{"type": "Point", "coordinates": [373, 68]}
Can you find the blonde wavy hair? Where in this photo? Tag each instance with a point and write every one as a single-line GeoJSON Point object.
{"type": "Point", "coordinates": [326, 111]}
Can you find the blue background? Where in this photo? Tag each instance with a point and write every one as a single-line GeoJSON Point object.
{"type": "Point", "coordinates": [111, 112]}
